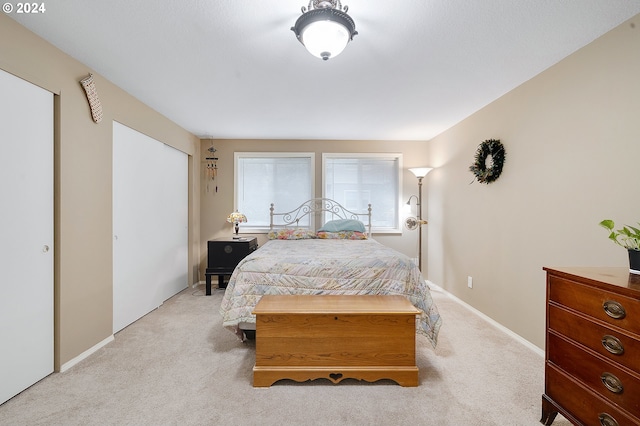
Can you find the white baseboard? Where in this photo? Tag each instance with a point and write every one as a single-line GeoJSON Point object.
{"type": "Point", "coordinates": [491, 321]}
{"type": "Point", "coordinates": [67, 365]}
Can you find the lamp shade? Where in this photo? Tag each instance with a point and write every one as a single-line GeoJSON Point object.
{"type": "Point", "coordinates": [325, 30]}
{"type": "Point", "coordinates": [420, 172]}
{"type": "Point", "coordinates": [325, 39]}
{"type": "Point", "coordinates": [236, 217]}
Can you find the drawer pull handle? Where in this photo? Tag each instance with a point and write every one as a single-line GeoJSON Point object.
{"type": "Point", "coordinates": [607, 420]}
{"type": "Point", "coordinates": [614, 309]}
{"type": "Point", "coordinates": [612, 383]}
{"type": "Point", "coordinates": [612, 344]}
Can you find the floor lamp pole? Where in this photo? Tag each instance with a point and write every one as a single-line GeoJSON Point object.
{"type": "Point", "coordinates": [420, 226]}
{"type": "Point", "coordinates": [420, 172]}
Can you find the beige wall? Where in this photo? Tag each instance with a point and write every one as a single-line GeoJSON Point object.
{"type": "Point", "coordinates": [83, 178]}
{"type": "Point", "coordinates": [572, 136]}
{"type": "Point", "coordinates": [216, 206]}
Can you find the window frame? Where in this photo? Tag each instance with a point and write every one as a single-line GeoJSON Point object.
{"type": "Point", "coordinates": [247, 228]}
{"type": "Point", "coordinates": [397, 227]}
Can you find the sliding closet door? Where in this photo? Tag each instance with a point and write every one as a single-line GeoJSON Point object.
{"type": "Point", "coordinates": [26, 235]}
{"type": "Point", "coordinates": [174, 262]}
{"type": "Point", "coordinates": [150, 203]}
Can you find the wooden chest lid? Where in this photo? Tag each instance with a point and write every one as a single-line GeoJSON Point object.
{"type": "Point", "coordinates": [334, 304]}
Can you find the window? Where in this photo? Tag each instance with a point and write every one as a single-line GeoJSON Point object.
{"type": "Point", "coordinates": [283, 178]}
{"type": "Point", "coordinates": [356, 180]}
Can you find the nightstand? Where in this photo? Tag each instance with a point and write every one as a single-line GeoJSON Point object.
{"type": "Point", "coordinates": [224, 254]}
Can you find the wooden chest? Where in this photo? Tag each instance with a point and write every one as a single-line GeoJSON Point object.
{"type": "Point", "coordinates": [335, 337]}
{"type": "Point", "coordinates": [592, 369]}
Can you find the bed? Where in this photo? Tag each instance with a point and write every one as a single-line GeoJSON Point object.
{"type": "Point", "coordinates": [339, 258]}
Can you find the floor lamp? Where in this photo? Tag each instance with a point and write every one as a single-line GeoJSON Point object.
{"type": "Point", "coordinates": [420, 173]}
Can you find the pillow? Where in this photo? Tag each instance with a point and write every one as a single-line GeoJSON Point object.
{"type": "Point", "coordinates": [291, 234]}
{"type": "Point", "coordinates": [342, 235]}
{"type": "Point", "coordinates": [343, 225]}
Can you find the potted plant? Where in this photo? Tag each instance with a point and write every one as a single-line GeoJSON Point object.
{"type": "Point", "coordinates": [629, 238]}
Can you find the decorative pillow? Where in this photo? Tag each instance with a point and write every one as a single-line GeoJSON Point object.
{"type": "Point", "coordinates": [342, 235]}
{"type": "Point", "coordinates": [343, 225]}
{"type": "Point", "coordinates": [291, 234]}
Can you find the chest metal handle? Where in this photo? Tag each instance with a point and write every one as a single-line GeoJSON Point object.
{"type": "Point", "coordinates": [612, 344]}
{"type": "Point", "coordinates": [612, 383]}
{"type": "Point", "coordinates": [614, 309]}
{"type": "Point", "coordinates": [607, 420]}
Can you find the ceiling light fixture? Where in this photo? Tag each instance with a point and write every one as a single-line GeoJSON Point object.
{"type": "Point", "coordinates": [324, 28]}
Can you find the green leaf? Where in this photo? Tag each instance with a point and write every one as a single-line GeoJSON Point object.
{"type": "Point", "coordinates": [636, 231]}
{"type": "Point", "coordinates": [607, 223]}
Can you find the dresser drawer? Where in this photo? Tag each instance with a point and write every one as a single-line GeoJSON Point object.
{"type": "Point", "coordinates": [583, 404]}
{"type": "Point", "coordinates": [591, 335]}
{"type": "Point", "coordinates": [622, 311]}
{"type": "Point", "coordinates": [603, 377]}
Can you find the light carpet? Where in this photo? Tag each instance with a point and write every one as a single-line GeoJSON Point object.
{"type": "Point", "coordinates": [178, 366]}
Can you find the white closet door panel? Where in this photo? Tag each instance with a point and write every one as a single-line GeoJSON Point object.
{"type": "Point", "coordinates": [26, 232]}
{"type": "Point", "coordinates": [147, 178]}
{"type": "Point", "coordinates": [174, 262]}
{"type": "Point", "coordinates": [135, 246]}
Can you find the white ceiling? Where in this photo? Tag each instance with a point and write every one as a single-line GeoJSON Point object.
{"type": "Point", "coordinates": [234, 69]}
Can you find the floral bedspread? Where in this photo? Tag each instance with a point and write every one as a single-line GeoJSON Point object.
{"type": "Point", "coordinates": [317, 266]}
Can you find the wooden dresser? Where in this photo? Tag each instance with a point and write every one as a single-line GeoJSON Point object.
{"type": "Point", "coordinates": [592, 369]}
{"type": "Point", "coordinates": [303, 337]}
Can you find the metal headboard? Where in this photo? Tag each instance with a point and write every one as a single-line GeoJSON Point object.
{"type": "Point", "coordinates": [317, 205]}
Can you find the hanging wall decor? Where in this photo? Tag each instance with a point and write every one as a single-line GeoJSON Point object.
{"type": "Point", "coordinates": [489, 160]}
{"type": "Point", "coordinates": [211, 169]}
{"type": "Point", "coordinates": [92, 96]}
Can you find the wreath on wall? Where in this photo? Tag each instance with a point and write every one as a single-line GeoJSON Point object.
{"type": "Point", "coordinates": [489, 160]}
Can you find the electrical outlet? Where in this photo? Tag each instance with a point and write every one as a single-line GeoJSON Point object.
{"type": "Point", "coordinates": [470, 282]}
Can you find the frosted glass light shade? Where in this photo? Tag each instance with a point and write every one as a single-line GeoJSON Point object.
{"type": "Point", "coordinates": [325, 39]}
{"type": "Point", "coordinates": [325, 30]}
{"type": "Point", "coordinates": [420, 172]}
